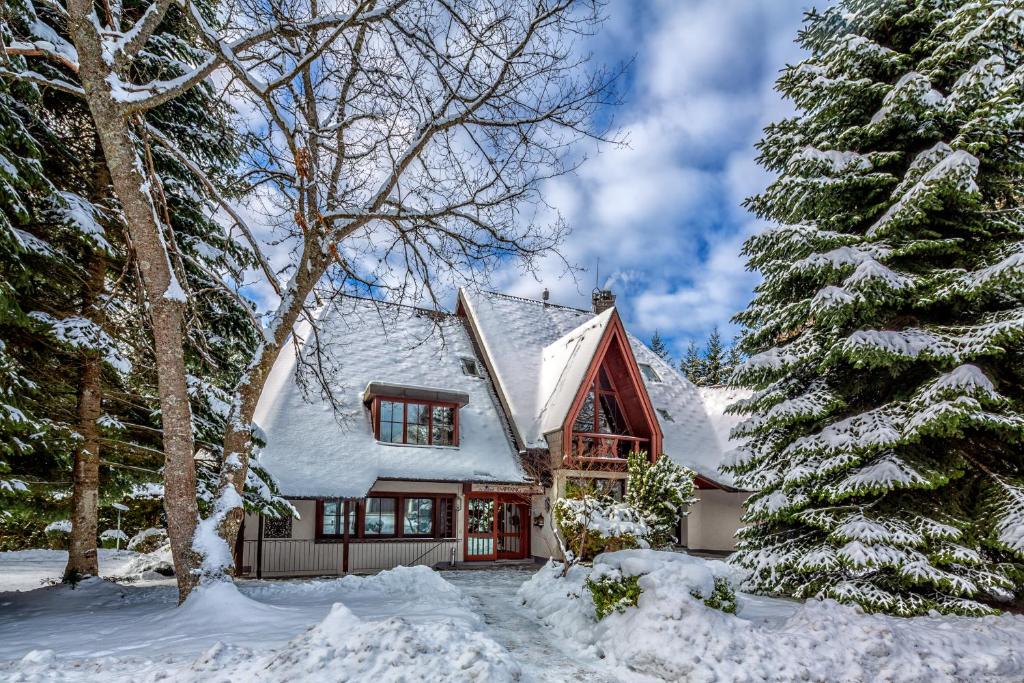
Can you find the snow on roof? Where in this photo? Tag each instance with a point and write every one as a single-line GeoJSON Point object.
{"type": "Point", "coordinates": [313, 450]}
{"type": "Point", "coordinates": [564, 365]}
{"type": "Point", "coordinates": [513, 333]}
{"type": "Point", "coordinates": [522, 338]}
{"type": "Point", "coordinates": [690, 437]}
{"type": "Point", "coordinates": [716, 401]}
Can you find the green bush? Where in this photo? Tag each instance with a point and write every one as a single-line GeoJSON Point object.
{"type": "Point", "coordinates": [585, 524]}
{"type": "Point", "coordinates": [614, 594]}
{"type": "Point", "coordinates": [660, 491]}
{"type": "Point", "coordinates": [723, 597]}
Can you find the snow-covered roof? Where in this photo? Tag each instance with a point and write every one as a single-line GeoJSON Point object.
{"type": "Point", "coordinates": [314, 450]}
{"type": "Point", "coordinates": [564, 365]}
{"type": "Point", "coordinates": [526, 340]}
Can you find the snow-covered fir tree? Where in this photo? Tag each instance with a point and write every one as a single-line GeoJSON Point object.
{"type": "Point", "coordinates": [886, 338]}
{"type": "Point", "coordinates": [714, 359]}
{"type": "Point", "coordinates": [692, 364]}
{"type": "Point", "coordinates": [658, 346]}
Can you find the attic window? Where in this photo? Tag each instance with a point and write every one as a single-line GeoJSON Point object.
{"type": "Point", "coordinates": [420, 423]}
{"type": "Point", "coordinates": [471, 367]}
{"type": "Point", "coordinates": [667, 416]}
{"type": "Point", "coordinates": [649, 374]}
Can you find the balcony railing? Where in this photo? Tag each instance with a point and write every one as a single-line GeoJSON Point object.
{"type": "Point", "coordinates": [282, 557]}
{"type": "Point", "coordinates": [593, 447]}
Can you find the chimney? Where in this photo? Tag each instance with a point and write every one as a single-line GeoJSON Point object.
{"type": "Point", "coordinates": [602, 300]}
{"type": "Point", "coordinates": [545, 295]}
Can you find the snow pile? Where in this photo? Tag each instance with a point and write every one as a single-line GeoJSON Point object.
{"type": "Point", "coordinates": [344, 647]}
{"type": "Point", "coordinates": [672, 635]}
{"type": "Point", "coordinates": [606, 518]}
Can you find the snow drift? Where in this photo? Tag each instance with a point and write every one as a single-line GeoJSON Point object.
{"type": "Point", "coordinates": [672, 635]}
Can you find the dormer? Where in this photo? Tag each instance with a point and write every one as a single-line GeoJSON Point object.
{"type": "Point", "coordinates": [413, 415]}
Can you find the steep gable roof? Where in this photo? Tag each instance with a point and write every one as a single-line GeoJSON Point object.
{"type": "Point", "coordinates": [520, 339]}
{"type": "Point", "coordinates": [564, 365]}
{"type": "Point", "coordinates": [314, 450]}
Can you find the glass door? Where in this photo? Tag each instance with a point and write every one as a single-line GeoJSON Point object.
{"type": "Point", "coordinates": [480, 529]}
{"type": "Point", "coordinates": [510, 530]}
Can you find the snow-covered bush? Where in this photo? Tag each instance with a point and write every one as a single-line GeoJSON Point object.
{"type": "Point", "coordinates": [617, 580]}
{"type": "Point", "coordinates": [110, 537]}
{"type": "Point", "coordinates": [58, 534]}
{"type": "Point", "coordinates": [148, 540]}
{"type": "Point", "coordinates": [660, 491]}
{"type": "Point", "coordinates": [590, 525]}
{"type": "Point", "coordinates": [613, 594]}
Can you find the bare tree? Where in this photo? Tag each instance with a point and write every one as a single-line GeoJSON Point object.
{"type": "Point", "coordinates": [406, 140]}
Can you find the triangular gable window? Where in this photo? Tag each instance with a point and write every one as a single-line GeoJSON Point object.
{"type": "Point", "coordinates": [613, 416]}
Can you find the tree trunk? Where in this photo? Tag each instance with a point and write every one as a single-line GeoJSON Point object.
{"type": "Point", "coordinates": [82, 552]}
{"type": "Point", "coordinates": [126, 174]}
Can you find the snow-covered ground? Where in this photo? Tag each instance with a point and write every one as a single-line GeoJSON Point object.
{"type": "Point", "coordinates": [768, 639]}
{"type": "Point", "coordinates": [413, 624]}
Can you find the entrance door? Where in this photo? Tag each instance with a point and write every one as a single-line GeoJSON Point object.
{"type": "Point", "coordinates": [496, 527]}
{"type": "Point", "coordinates": [480, 529]}
{"type": "Point", "coordinates": [511, 517]}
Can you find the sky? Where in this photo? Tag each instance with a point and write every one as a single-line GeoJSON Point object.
{"type": "Point", "coordinates": [663, 215]}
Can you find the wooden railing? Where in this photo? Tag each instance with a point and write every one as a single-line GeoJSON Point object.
{"type": "Point", "coordinates": [593, 447]}
{"type": "Point", "coordinates": [279, 557]}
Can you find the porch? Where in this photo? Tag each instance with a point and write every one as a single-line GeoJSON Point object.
{"type": "Point", "coordinates": [270, 558]}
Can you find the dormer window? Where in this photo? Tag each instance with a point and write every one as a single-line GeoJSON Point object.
{"type": "Point", "coordinates": [418, 423]}
{"type": "Point", "coordinates": [471, 367]}
{"type": "Point", "coordinates": [416, 416]}
{"type": "Point", "coordinates": [649, 373]}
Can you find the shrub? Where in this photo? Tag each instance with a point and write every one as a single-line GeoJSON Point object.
{"type": "Point", "coordinates": [110, 537]}
{"type": "Point", "coordinates": [660, 491]}
{"type": "Point", "coordinates": [147, 540]}
{"type": "Point", "coordinates": [58, 534]}
{"type": "Point", "coordinates": [614, 594]}
{"type": "Point", "coordinates": [723, 597]}
{"type": "Point", "coordinates": [590, 526]}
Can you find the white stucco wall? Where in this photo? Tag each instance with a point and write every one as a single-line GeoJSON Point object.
{"type": "Point", "coordinates": [713, 521]}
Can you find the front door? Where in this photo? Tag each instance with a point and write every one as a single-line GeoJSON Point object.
{"type": "Point", "coordinates": [496, 528]}
{"type": "Point", "coordinates": [480, 526]}
{"type": "Point", "coordinates": [510, 530]}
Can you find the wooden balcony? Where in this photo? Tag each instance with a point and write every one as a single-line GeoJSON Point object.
{"type": "Point", "coordinates": [592, 450]}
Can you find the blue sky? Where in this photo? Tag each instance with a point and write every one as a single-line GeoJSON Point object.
{"type": "Point", "coordinates": [664, 214]}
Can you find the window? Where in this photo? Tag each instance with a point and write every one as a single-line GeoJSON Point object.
{"type": "Point", "coordinates": [649, 373]}
{"type": "Point", "coordinates": [418, 423]}
{"type": "Point", "coordinates": [331, 518]}
{"type": "Point", "coordinates": [418, 517]}
{"type": "Point", "coordinates": [411, 515]}
{"type": "Point", "coordinates": [471, 367]}
{"type": "Point", "coordinates": [379, 518]}
{"type": "Point", "coordinates": [392, 422]}
{"type": "Point", "coordinates": [600, 412]}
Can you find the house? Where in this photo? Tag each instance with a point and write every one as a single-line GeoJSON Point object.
{"type": "Point", "coordinates": [447, 437]}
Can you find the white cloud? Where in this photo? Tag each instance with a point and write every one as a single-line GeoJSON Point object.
{"type": "Point", "coordinates": [666, 211]}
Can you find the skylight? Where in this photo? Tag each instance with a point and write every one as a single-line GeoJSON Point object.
{"type": "Point", "coordinates": [667, 416]}
{"type": "Point", "coordinates": [649, 374]}
{"type": "Point", "coordinates": [471, 367]}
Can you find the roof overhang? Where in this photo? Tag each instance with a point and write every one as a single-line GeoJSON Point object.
{"type": "Point", "coordinates": [389, 390]}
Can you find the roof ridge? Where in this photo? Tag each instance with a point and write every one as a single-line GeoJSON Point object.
{"type": "Point", "coordinates": [396, 304]}
{"type": "Point", "coordinates": [524, 299]}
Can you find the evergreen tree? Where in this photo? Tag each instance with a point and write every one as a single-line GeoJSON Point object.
{"type": "Point", "coordinates": [659, 348]}
{"type": "Point", "coordinates": [714, 360]}
{"type": "Point", "coordinates": [886, 337]}
{"type": "Point", "coordinates": [732, 360]}
{"type": "Point", "coordinates": [692, 365]}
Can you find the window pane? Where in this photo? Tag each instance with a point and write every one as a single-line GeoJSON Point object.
{"type": "Point", "coordinates": [585, 419]}
{"type": "Point", "coordinates": [417, 434]}
{"type": "Point", "coordinates": [330, 520]}
{"type": "Point", "coordinates": [444, 428]}
{"type": "Point", "coordinates": [352, 518]}
{"type": "Point", "coordinates": [389, 411]}
{"type": "Point", "coordinates": [380, 516]}
{"type": "Point", "coordinates": [418, 516]}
